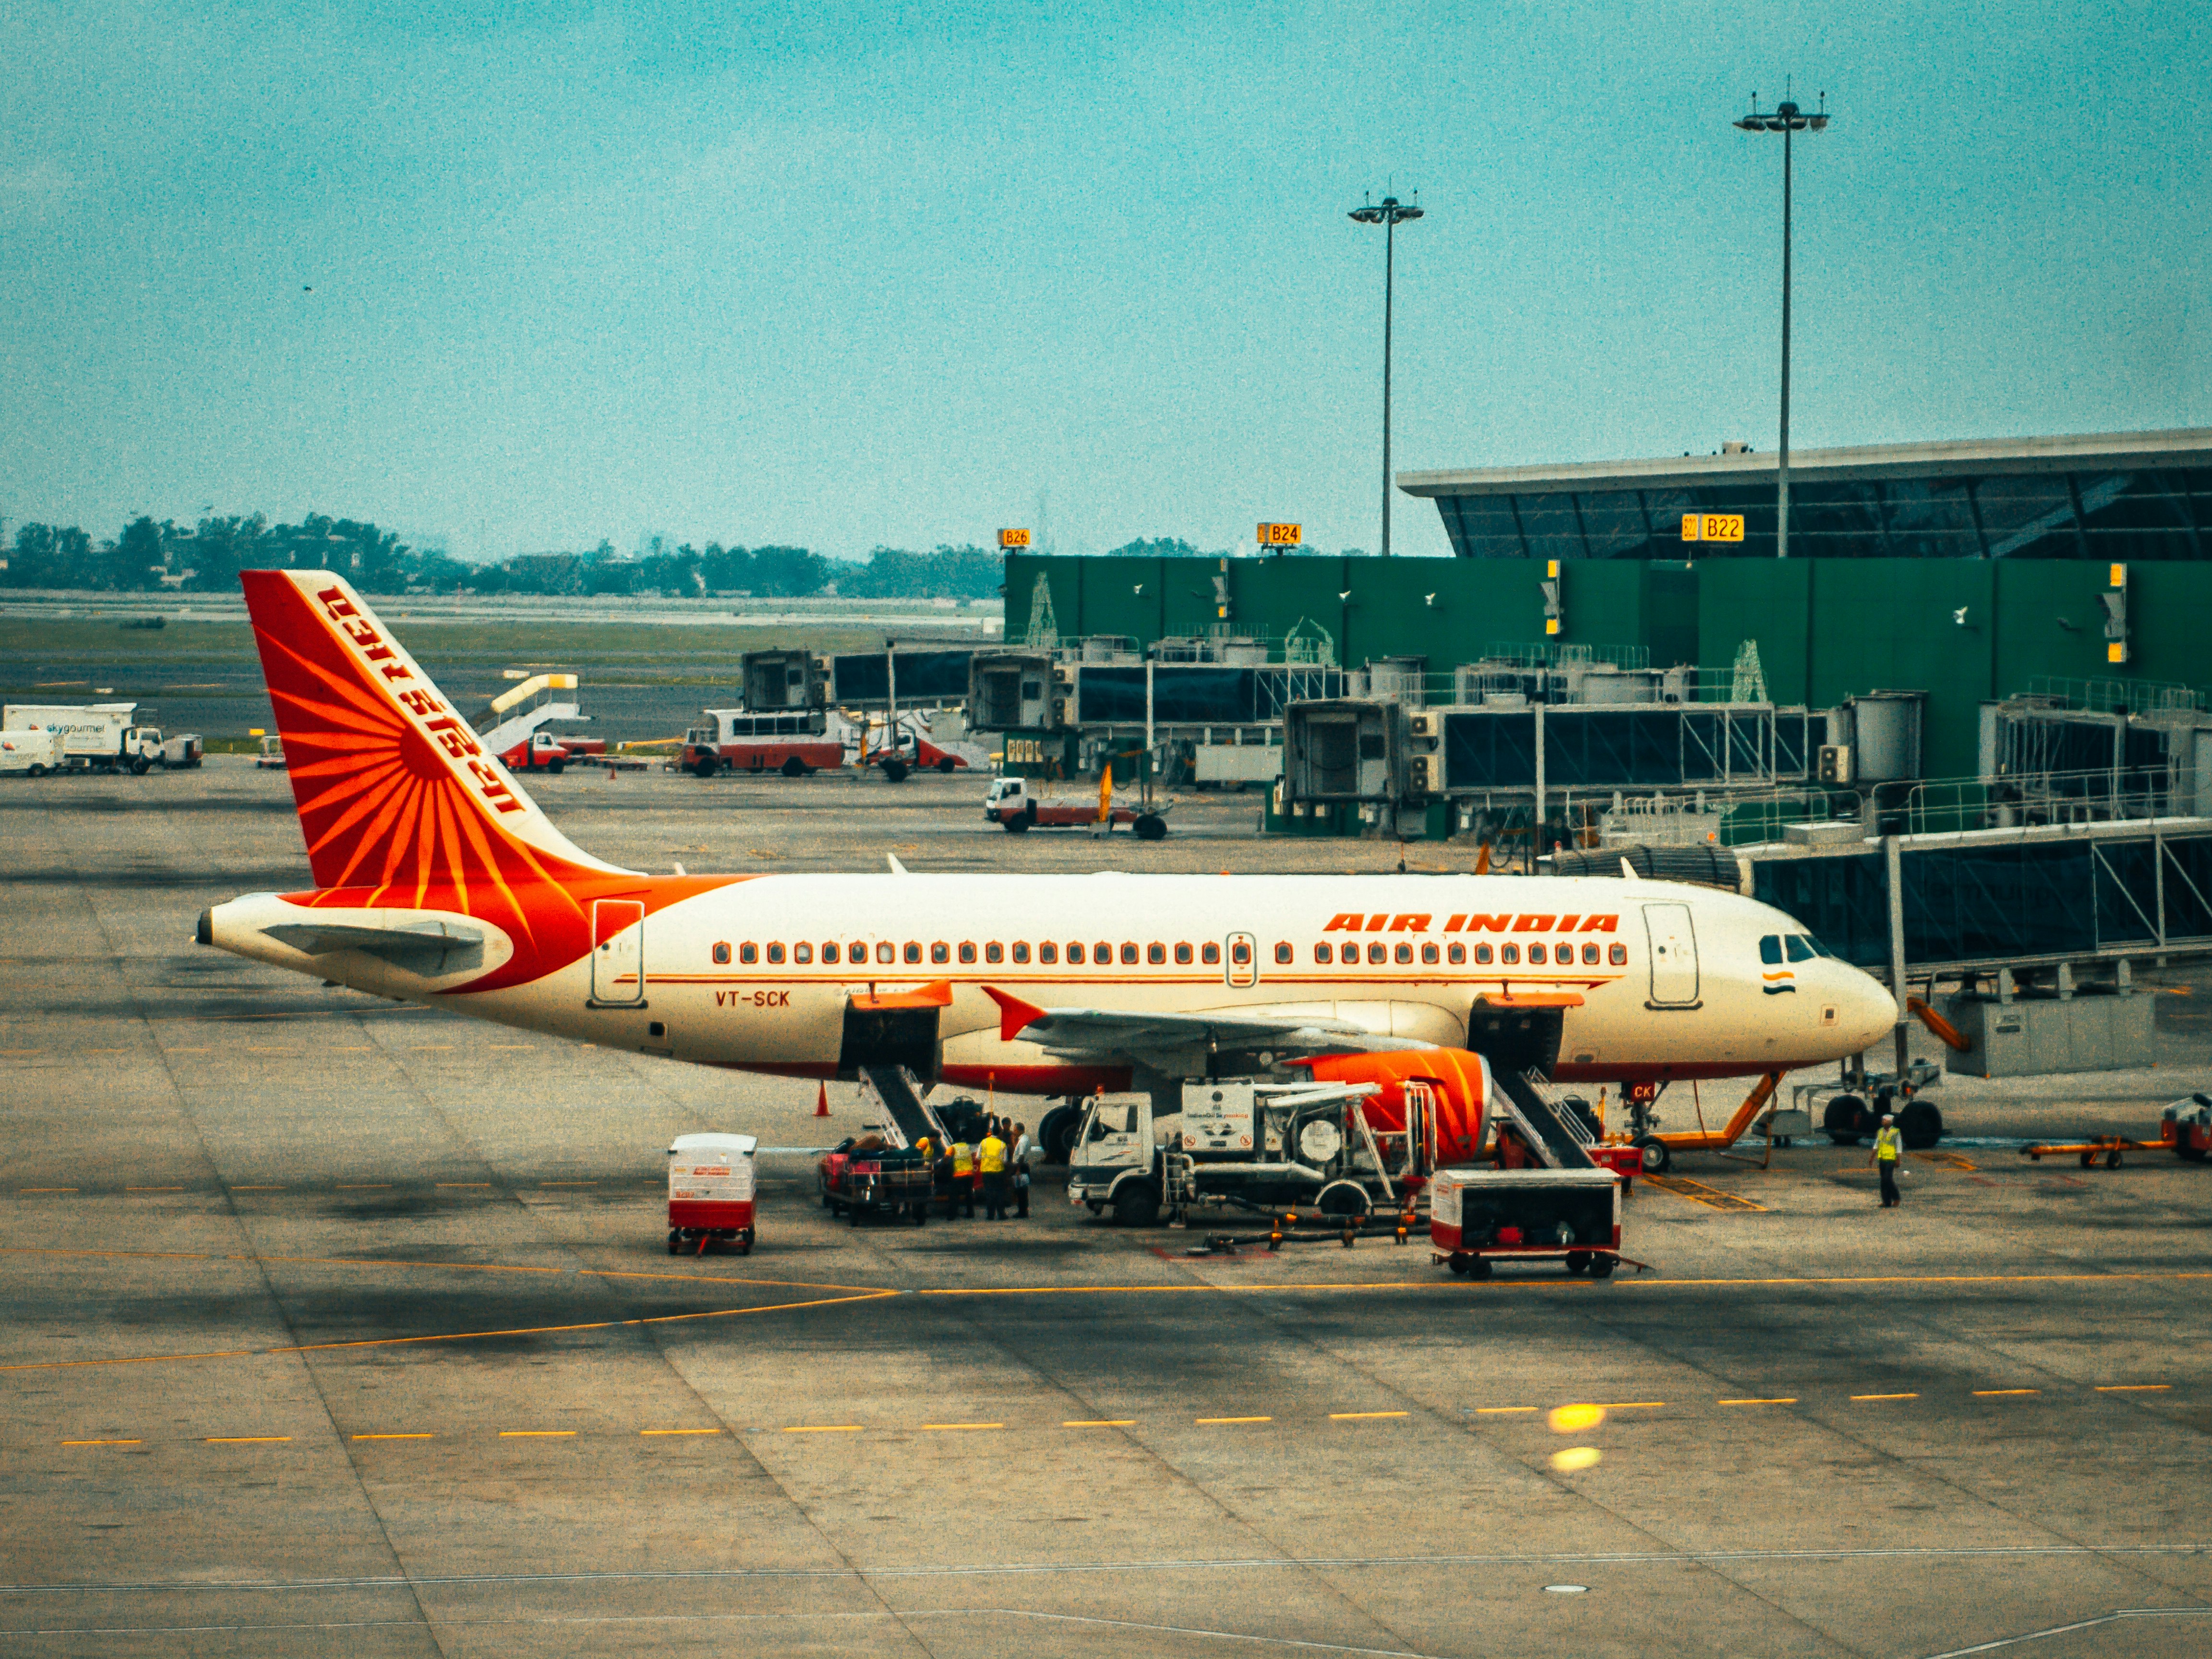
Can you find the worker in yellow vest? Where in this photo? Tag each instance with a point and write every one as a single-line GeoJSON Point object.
{"type": "Point", "coordinates": [991, 1160]}
{"type": "Point", "coordinates": [1889, 1147]}
{"type": "Point", "coordinates": [963, 1179]}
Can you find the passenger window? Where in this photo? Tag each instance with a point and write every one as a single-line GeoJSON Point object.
{"type": "Point", "coordinates": [776, 953]}
{"type": "Point", "coordinates": [1589, 956]}
{"type": "Point", "coordinates": [1075, 954]}
{"type": "Point", "coordinates": [1209, 954]}
{"type": "Point", "coordinates": [886, 951]}
{"type": "Point", "coordinates": [968, 951]}
{"type": "Point", "coordinates": [1046, 954]}
{"type": "Point", "coordinates": [1405, 952]}
{"type": "Point", "coordinates": [748, 953]}
{"type": "Point", "coordinates": [1769, 948]}
{"type": "Point", "coordinates": [1482, 953]}
{"type": "Point", "coordinates": [802, 954]}
{"type": "Point", "coordinates": [1800, 949]}
{"type": "Point", "coordinates": [1285, 953]}
{"type": "Point", "coordinates": [1535, 956]}
{"type": "Point", "coordinates": [913, 951]}
{"type": "Point", "coordinates": [1323, 954]}
{"type": "Point", "coordinates": [1128, 954]}
{"type": "Point", "coordinates": [829, 952]}
{"type": "Point", "coordinates": [1241, 953]}
{"type": "Point", "coordinates": [1377, 954]}
{"type": "Point", "coordinates": [1508, 954]}
{"type": "Point", "coordinates": [1428, 954]}
{"type": "Point", "coordinates": [722, 956]}
{"type": "Point", "coordinates": [1102, 953]}
{"type": "Point", "coordinates": [992, 952]}
{"type": "Point", "coordinates": [938, 952]}
{"type": "Point", "coordinates": [1562, 952]}
{"type": "Point", "coordinates": [1022, 950]}
{"type": "Point", "coordinates": [1456, 953]}
{"type": "Point", "coordinates": [1617, 954]}
{"type": "Point", "coordinates": [1157, 954]}
{"type": "Point", "coordinates": [1183, 955]}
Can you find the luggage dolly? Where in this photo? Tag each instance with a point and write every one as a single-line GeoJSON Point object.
{"type": "Point", "coordinates": [1596, 1261]}
{"type": "Point", "coordinates": [2105, 1149]}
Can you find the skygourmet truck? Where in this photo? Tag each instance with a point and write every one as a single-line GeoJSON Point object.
{"type": "Point", "coordinates": [103, 737]}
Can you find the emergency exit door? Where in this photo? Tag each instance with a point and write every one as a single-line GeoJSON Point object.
{"type": "Point", "coordinates": [617, 953]}
{"type": "Point", "coordinates": [1673, 956]}
{"type": "Point", "coordinates": [1243, 966]}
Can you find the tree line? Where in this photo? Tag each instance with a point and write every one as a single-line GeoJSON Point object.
{"type": "Point", "coordinates": [147, 557]}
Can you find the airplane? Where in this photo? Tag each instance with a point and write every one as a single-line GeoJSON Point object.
{"type": "Point", "coordinates": [437, 880]}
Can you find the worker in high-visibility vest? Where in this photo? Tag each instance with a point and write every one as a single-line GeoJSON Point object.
{"type": "Point", "coordinates": [991, 1160]}
{"type": "Point", "coordinates": [963, 1179]}
{"type": "Point", "coordinates": [1889, 1147]}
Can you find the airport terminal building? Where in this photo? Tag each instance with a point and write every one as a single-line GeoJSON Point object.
{"type": "Point", "coordinates": [2129, 496]}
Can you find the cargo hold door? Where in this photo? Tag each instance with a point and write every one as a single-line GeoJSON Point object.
{"type": "Point", "coordinates": [617, 953]}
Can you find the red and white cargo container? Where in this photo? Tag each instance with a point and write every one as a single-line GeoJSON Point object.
{"type": "Point", "coordinates": [710, 1191]}
{"type": "Point", "coordinates": [1478, 1217]}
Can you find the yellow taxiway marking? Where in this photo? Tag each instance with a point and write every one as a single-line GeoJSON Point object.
{"type": "Point", "coordinates": [19, 1053]}
{"type": "Point", "coordinates": [1885, 1396]}
{"type": "Point", "coordinates": [660, 1431]}
{"type": "Point", "coordinates": [152, 1189]}
{"type": "Point", "coordinates": [1630, 1405]}
{"type": "Point", "coordinates": [47, 1189]}
{"type": "Point", "coordinates": [823, 1428]}
{"type": "Point", "coordinates": [1102, 1423]}
{"type": "Point", "coordinates": [1783, 1400]}
{"type": "Point", "coordinates": [2133, 1387]}
{"type": "Point", "coordinates": [1353, 1416]}
{"type": "Point", "coordinates": [1232, 1420]}
{"type": "Point", "coordinates": [538, 1434]}
{"type": "Point", "coordinates": [1501, 1411]}
{"type": "Point", "coordinates": [1986, 1394]}
{"type": "Point", "coordinates": [103, 1443]}
{"type": "Point", "coordinates": [190, 1051]}
{"type": "Point", "coordinates": [247, 1439]}
{"type": "Point", "coordinates": [387, 1437]}
{"type": "Point", "coordinates": [963, 1425]}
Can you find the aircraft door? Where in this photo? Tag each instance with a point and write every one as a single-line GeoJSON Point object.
{"type": "Point", "coordinates": [1673, 956]}
{"type": "Point", "coordinates": [1243, 968]}
{"type": "Point", "coordinates": [617, 953]}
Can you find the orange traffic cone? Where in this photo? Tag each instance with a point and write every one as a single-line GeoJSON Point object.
{"type": "Point", "coordinates": [821, 1100]}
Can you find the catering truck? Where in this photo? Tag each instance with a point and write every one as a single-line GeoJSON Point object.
{"type": "Point", "coordinates": [103, 737]}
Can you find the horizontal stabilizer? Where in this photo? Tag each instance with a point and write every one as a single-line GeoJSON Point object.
{"type": "Point", "coordinates": [423, 947]}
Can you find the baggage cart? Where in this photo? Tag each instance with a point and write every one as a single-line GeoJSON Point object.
{"type": "Point", "coordinates": [710, 1191]}
{"type": "Point", "coordinates": [1480, 1217]}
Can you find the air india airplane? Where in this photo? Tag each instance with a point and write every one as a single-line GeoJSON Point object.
{"type": "Point", "coordinates": [437, 880]}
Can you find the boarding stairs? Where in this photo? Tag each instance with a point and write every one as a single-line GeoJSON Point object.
{"type": "Point", "coordinates": [538, 701]}
{"type": "Point", "coordinates": [1558, 1137]}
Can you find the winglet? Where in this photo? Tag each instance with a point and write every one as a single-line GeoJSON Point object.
{"type": "Point", "coordinates": [1015, 1016]}
{"type": "Point", "coordinates": [897, 869]}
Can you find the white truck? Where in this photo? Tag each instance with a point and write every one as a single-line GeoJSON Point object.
{"type": "Point", "coordinates": [32, 751]}
{"type": "Point", "coordinates": [103, 737]}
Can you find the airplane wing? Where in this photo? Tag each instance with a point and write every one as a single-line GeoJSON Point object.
{"type": "Point", "coordinates": [1166, 1040]}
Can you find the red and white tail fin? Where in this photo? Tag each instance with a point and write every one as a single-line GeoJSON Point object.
{"type": "Point", "coordinates": [394, 790]}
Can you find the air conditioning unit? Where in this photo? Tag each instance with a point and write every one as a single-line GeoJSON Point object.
{"type": "Point", "coordinates": [1423, 724]}
{"type": "Point", "coordinates": [1835, 762]}
{"type": "Point", "coordinates": [1426, 774]}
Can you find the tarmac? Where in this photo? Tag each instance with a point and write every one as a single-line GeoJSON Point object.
{"type": "Point", "coordinates": [329, 1325]}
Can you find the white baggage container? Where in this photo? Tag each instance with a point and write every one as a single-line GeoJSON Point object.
{"type": "Point", "coordinates": [710, 1191]}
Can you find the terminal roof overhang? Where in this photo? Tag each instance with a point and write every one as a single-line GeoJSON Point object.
{"type": "Point", "coordinates": [2188, 446]}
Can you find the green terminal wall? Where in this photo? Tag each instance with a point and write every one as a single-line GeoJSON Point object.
{"type": "Point", "coordinates": [1826, 629]}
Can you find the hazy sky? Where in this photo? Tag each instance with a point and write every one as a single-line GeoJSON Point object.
{"type": "Point", "coordinates": [840, 274]}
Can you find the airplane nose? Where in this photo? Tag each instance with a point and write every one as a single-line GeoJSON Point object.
{"type": "Point", "coordinates": [1875, 1012]}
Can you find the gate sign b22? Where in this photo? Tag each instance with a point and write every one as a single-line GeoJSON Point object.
{"type": "Point", "coordinates": [1712, 526]}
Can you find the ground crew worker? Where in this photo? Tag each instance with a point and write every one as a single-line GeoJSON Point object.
{"type": "Point", "coordinates": [963, 1179]}
{"type": "Point", "coordinates": [991, 1158]}
{"type": "Point", "coordinates": [1023, 1148]}
{"type": "Point", "coordinates": [1889, 1147]}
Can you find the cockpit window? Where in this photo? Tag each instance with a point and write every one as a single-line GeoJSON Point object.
{"type": "Point", "coordinates": [1769, 948]}
{"type": "Point", "coordinates": [1801, 948]}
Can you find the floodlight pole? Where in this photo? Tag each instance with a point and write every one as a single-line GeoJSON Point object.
{"type": "Point", "coordinates": [1787, 119]}
{"type": "Point", "coordinates": [1388, 213]}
